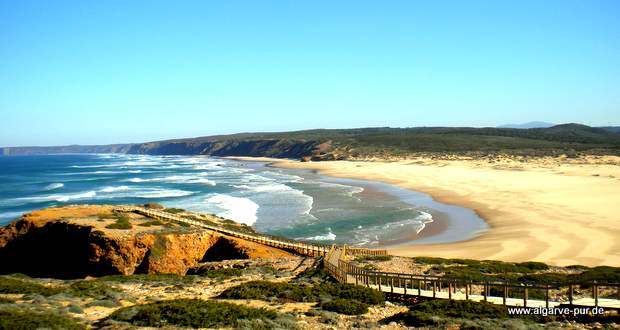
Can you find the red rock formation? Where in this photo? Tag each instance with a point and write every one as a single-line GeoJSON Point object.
{"type": "Point", "coordinates": [71, 243]}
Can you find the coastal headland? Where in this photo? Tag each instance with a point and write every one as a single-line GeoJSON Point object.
{"type": "Point", "coordinates": [549, 209]}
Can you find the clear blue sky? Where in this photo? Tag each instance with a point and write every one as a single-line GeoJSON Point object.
{"type": "Point", "coordinates": [94, 72]}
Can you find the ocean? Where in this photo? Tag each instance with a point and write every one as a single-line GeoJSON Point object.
{"type": "Point", "coordinates": [294, 203]}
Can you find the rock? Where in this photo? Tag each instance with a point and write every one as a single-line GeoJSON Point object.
{"type": "Point", "coordinates": [326, 157]}
{"type": "Point", "coordinates": [70, 242]}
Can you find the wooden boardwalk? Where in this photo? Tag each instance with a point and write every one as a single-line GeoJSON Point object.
{"type": "Point", "coordinates": [511, 293]}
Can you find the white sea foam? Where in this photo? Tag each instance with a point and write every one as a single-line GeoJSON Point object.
{"type": "Point", "coordinates": [57, 197]}
{"type": "Point", "coordinates": [113, 189]}
{"type": "Point", "coordinates": [346, 189]}
{"type": "Point", "coordinates": [204, 167]}
{"type": "Point", "coordinates": [53, 186]}
{"type": "Point", "coordinates": [139, 163]}
{"type": "Point", "coordinates": [374, 234]}
{"type": "Point", "coordinates": [326, 237]}
{"type": "Point", "coordinates": [135, 171]}
{"type": "Point", "coordinates": [84, 195]}
{"type": "Point", "coordinates": [265, 187]}
{"type": "Point", "coordinates": [138, 180]}
{"type": "Point", "coordinates": [162, 193]}
{"type": "Point", "coordinates": [424, 218]}
{"type": "Point", "coordinates": [91, 166]}
{"type": "Point", "coordinates": [235, 208]}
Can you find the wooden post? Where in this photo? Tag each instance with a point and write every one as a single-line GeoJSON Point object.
{"type": "Point", "coordinates": [419, 287]}
{"type": "Point", "coordinates": [379, 281]}
{"type": "Point", "coordinates": [595, 294]}
{"type": "Point", "coordinates": [547, 296]}
{"type": "Point", "coordinates": [405, 287]}
{"type": "Point", "coordinates": [570, 294]}
{"type": "Point", "coordinates": [467, 291]}
{"type": "Point", "coordinates": [392, 284]}
{"type": "Point", "coordinates": [449, 290]}
{"type": "Point", "coordinates": [504, 294]}
{"type": "Point", "coordinates": [434, 288]}
{"type": "Point", "coordinates": [484, 289]}
{"type": "Point", "coordinates": [525, 297]}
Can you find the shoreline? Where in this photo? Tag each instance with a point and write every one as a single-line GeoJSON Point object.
{"type": "Point", "coordinates": [553, 212]}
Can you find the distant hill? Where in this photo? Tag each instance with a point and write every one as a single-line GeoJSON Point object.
{"type": "Point", "coordinates": [370, 142]}
{"type": "Point", "coordinates": [531, 124]}
{"type": "Point", "coordinates": [613, 129]}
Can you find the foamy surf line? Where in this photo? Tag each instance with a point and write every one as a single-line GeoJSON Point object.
{"type": "Point", "coordinates": [235, 208]}
{"type": "Point", "coordinates": [53, 186]}
{"type": "Point", "coordinates": [326, 237]}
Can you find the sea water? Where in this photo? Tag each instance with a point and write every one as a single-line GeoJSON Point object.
{"type": "Point", "coordinates": [294, 203]}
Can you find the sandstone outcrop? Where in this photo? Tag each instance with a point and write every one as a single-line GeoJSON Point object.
{"type": "Point", "coordinates": [73, 242]}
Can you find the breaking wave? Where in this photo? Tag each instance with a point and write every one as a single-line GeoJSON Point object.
{"type": "Point", "coordinates": [326, 237]}
{"type": "Point", "coordinates": [235, 208]}
{"type": "Point", "coordinates": [53, 186]}
{"type": "Point", "coordinates": [113, 189]}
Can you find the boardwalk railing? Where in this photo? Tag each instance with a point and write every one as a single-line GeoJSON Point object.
{"type": "Point", "coordinates": [282, 243]}
{"type": "Point", "coordinates": [503, 292]}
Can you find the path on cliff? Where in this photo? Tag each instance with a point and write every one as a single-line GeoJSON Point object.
{"type": "Point", "coordinates": [338, 263]}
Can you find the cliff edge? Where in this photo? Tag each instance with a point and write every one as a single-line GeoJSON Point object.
{"type": "Point", "coordinates": [97, 240]}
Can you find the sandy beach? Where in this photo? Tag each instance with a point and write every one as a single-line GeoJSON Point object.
{"type": "Point", "coordinates": [553, 210]}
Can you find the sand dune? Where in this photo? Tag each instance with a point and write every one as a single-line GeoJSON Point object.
{"type": "Point", "coordinates": [557, 211]}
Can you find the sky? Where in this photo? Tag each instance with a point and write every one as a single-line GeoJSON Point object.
{"type": "Point", "coordinates": [99, 72]}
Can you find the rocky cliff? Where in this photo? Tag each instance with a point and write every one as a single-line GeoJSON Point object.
{"type": "Point", "coordinates": [79, 241]}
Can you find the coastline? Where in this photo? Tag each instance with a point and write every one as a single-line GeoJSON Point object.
{"type": "Point", "coordinates": [544, 210]}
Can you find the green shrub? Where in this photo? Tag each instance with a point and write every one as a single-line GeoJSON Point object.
{"type": "Point", "coordinates": [174, 210]}
{"type": "Point", "coordinates": [434, 312]}
{"type": "Point", "coordinates": [13, 285]}
{"type": "Point", "coordinates": [349, 291]}
{"type": "Point", "coordinates": [513, 292]}
{"type": "Point", "coordinates": [151, 223]}
{"type": "Point", "coordinates": [16, 319]}
{"type": "Point", "coordinates": [258, 290]}
{"type": "Point", "coordinates": [222, 273]}
{"type": "Point", "coordinates": [93, 289]}
{"type": "Point", "coordinates": [345, 306]}
{"type": "Point", "coordinates": [577, 267]}
{"type": "Point", "coordinates": [155, 206]}
{"type": "Point", "coordinates": [533, 265]}
{"type": "Point", "coordinates": [484, 266]}
{"type": "Point", "coordinates": [545, 278]}
{"type": "Point", "coordinates": [599, 274]}
{"type": "Point", "coordinates": [317, 273]}
{"type": "Point", "coordinates": [373, 258]}
{"type": "Point", "coordinates": [284, 322]}
{"type": "Point", "coordinates": [432, 260]}
{"type": "Point", "coordinates": [157, 278]}
{"type": "Point", "coordinates": [122, 222]}
{"type": "Point", "coordinates": [194, 313]}
{"type": "Point", "coordinates": [297, 292]}
{"type": "Point", "coordinates": [75, 309]}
